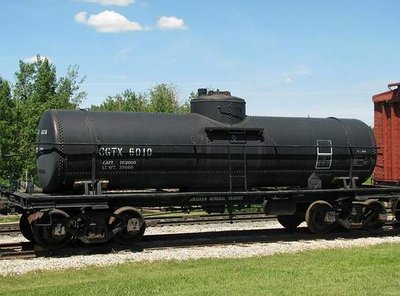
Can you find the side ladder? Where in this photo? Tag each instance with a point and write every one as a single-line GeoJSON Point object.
{"type": "Point", "coordinates": [237, 156]}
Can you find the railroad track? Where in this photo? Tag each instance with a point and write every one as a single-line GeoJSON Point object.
{"type": "Point", "coordinates": [391, 228]}
{"type": "Point", "coordinates": [18, 250]}
{"type": "Point", "coordinates": [214, 238]}
{"type": "Point", "coordinates": [9, 228]}
{"type": "Point", "coordinates": [25, 250]}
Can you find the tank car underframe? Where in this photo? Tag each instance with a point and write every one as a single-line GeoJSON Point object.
{"type": "Point", "coordinates": [55, 219]}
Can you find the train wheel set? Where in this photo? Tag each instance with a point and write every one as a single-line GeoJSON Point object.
{"type": "Point", "coordinates": [97, 169]}
{"type": "Point", "coordinates": [100, 218]}
{"type": "Point", "coordinates": [54, 229]}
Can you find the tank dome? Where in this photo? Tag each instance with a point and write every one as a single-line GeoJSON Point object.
{"type": "Point", "coordinates": [219, 105]}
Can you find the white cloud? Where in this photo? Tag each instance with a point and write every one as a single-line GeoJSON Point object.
{"type": "Point", "coordinates": [34, 59]}
{"type": "Point", "coordinates": [288, 80]}
{"type": "Point", "coordinates": [81, 17]}
{"type": "Point", "coordinates": [171, 23]}
{"type": "Point", "coordinates": [108, 22]}
{"type": "Point", "coordinates": [111, 2]}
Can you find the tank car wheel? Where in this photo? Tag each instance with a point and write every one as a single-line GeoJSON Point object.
{"type": "Point", "coordinates": [25, 227]}
{"type": "Point", "coordinates": [290, 222]}
{"type": "Point", "coordinates": [53, 234]}
{"type": "Point", "coordinates": [316, 217]}
{"type": "Point", "coordinates": [373, 210]}
{"type": "Point", "coordinates": [132, 225]}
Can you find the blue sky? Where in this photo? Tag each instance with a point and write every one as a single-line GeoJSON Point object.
{"type": "Point", "coordinates": [286, 58]}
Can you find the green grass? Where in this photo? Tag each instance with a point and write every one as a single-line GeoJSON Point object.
{"type": "Point", "coordinates": [9, 218]}
{"type": "Point", "coordinates": [369, 181]}
{"type": "Point", "coordinates": [359, 271]}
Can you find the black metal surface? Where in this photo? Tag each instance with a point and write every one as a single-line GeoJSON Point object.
{"type": "Point", "coordinates": [219, 106]}
{"type": "Point", "coordinates": [28, 202]}
{"type": "Point", "coordinates": [196, 153]}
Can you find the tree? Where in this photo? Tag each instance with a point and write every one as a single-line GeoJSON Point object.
{"type": "Point", "coordinates": [69, 89]}
{"type": "Point", "coordinates": [127, 101]}
{"type": "Point", "coordinates": [185, 107]}
{"type": "Point", "coordinates": [7, 130]}
{"type": "Point", "coordinates": [163, 98]}
{"type": "Point", "coordinates": [135, 102]}
{"type": "Point", "coordinates": [36, 90]}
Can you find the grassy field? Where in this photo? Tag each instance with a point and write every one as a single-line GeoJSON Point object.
{"type": "Point", "coordinates": [359, 271]}
{"type": "Point", "coordinates": [9, 218]}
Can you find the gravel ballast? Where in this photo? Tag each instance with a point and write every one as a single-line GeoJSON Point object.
{"type": "Point", "coordinates": [9, 267]}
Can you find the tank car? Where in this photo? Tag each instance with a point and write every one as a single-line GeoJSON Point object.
{"type": "Point", "coordinates": [216, 147]}
{"type": "Point", "coordinates": [98, 168]}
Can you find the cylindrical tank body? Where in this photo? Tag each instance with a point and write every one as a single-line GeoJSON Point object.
{"type": "Point", "coordinates": [195, 152]}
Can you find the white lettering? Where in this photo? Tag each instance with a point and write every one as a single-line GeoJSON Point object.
{"type": "Point", "coordinates": [137, 152]}
{"type": "Point", "coordinates": [119, 152]}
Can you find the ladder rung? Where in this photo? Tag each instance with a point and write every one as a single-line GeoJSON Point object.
{"type": "Point", "coordinates": [237, 168]}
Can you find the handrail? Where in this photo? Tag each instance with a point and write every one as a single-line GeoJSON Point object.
{"type": "Point", "coordinates": [199, 145]}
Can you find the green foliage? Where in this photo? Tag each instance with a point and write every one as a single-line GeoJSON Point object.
{"type": "Point", "coordinates": [7, 131]}
{"type": "Point", "coordinates": [9, 218]}
{"type": "Point", "coordinates": [358, 271]}
{"type": "Point", "coordinates": [69, 88]}
{"type": "Point", "coordinates": [35, 90]}
{"type": "Point", "coordinates": [164, 98]}
{"type": "Point", "coordinates": [4, 183]}
{"type": "Point", "coordinates": [193, 95]}
{"type": "Point", "coordinates": [161, 98]}
{"type": "Point", "coordinates": [127, 101]}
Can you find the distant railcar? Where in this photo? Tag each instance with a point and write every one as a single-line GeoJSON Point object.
{"type": "Point", "coordinates": [387, 134]}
